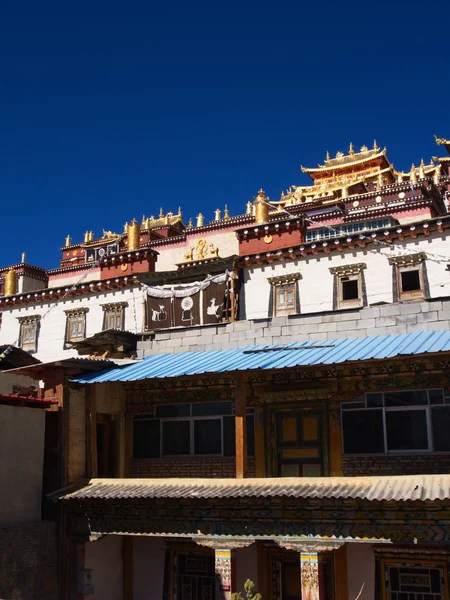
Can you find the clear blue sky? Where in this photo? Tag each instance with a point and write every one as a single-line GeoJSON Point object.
{"type": "Point", "coordinates": [109, 113]}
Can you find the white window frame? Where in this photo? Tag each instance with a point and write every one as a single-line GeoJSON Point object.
{"type": "Point", "coordinates": [385, 409]}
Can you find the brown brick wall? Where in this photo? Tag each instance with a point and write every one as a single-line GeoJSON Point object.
{"type": "Point", "coordinates": [355, 466]}
{"type": "Point", "coordinates": [188, 467]}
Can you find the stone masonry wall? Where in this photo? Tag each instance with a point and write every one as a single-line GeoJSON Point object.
{"type": "Point", "coordinates": [388, 319]}
{"type": "Point", "coordinates": [28, 561]}
{"type": "Point", "coordinates": [358, 466]}
{"type": "Point", "coordinates": [189, 467]}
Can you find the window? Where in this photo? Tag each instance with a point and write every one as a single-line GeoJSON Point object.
{"type": "Point", "coordinates": [348, 285]}
{"type": "Point", "coordinates": [285, 292]}
{"type": "Point", "coordinates": [114, 315]}
{"type": "Point", "coordinates": [204, 429]}
{"type": "Point", "coordinates": [323, 233]}
{"type": "Point", "coordinates": [76, 325]}
{"type": "Point", "coordinates": [29, 327]}
{"type": "Point", "coordinates": [383, 422]}
{"type": "Point", "coordinates": [409, 276]}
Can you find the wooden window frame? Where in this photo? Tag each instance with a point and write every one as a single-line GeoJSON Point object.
{"type": "Point", "coordinates": [284, 283]}
{"type": "Point", "coordinates": [342, 274]}
{"type": "Point", "coordinates": [414, 294]}
{"type": "Point", "coordinates": [79, 316]}
{"type": "Point", "coordinates": [29, 324]}
{"type": "Point", "coordinates": [115, 309]}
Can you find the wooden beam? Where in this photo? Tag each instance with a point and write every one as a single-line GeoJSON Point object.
{"type": "Point", "coordinates": [91, 438]}
{"type": "Point", "coordinates": [240, 425]}
{"type": "Point", "coordinates": [260, 454]}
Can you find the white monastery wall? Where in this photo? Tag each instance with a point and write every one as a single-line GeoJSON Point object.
{"type": "Point", "coordinates": [21, 463]}
{"type": "Point", "coordinates": [52, 328]}
{"type": "Point", "coordinates": [172, 253]}
{"type": "Point", "coordinates": [316, 282]}
{"type": "Point", "coordinates": [29, 284]}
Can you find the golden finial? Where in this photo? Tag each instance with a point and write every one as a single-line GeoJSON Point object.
{"type": "Point", "coordinates": [421, 169]}
{"type": "Point", "coordinates": [179, 211]}
{"type": "Point", "coordinates": [24, 258]}
{"type": "Point", "coordinates": [350, 149]}
{"type": "Point", "coordinates": [248, 209]}
{"type": "Point", "coordinates": [91, 236]}
{"type": "Point", "coordinates": [261, 207]}
{"type": "Point", "coordinates": [134, 236]}
{"type": "Point", "coordinates": [200, 220]}
{"type": "Point", "coordinates": [431, 162]}
{"type": "Point", "coordinates": [217, 215]}
{"type": "Point", "coordinates": [161, 214]}
{"type": "Point", "coordinates": [327, 157]}
{"type": "Point", "coordinates": [68, 240]}
{"type": "Point", "coordinates": [86, 236]}
{"type": "Point", "coordinates": [339, 154]}
{"type": "Point", "coordinates": [190, 226]}
{"type": "Point", "coordinates": [125, 228]}
{"type": "Point", "coordinates": [226, 214]}
{"type": "Point", "coordinates": [364, 149]}
{"type": "Point", "coordinates": [437, 174]}
{"type": "Point", "coordinates": [413, 174]}
{"type": "Point", "coordinates": [375, 145]}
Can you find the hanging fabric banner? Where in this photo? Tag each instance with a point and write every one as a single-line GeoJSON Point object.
{"type": "Point", "coordinates": [186, 311]}
{"type": "Point", "coordinates": [215, 303]}
{"type": "Point", "coordinates": [159, 313]}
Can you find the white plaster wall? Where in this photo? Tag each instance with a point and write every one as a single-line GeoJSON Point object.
{"type": "Point", "coordinates": [171, 254]}
{"type": "Point", "coordinates": [30, 284]}
{"type": "Point", "coordinates": [22, 432]}
{"type": "Point", "coordinates": [53, 324]}
{"type": "Point", "coordinates": [316, 283]}
{"type": "Point", "coordinates": [148, 568]}
{"type": "Point", "coordinates": [360, 570]}
{"type": "Point", "coordinates": [104, 557]}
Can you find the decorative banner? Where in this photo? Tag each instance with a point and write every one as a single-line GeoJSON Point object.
{"type": "Point", "coordinates": [215, 303]}
{"type": "Point", "coordinates": [186, 311]}
{"type": "Point", "coordinates": [159, 313]}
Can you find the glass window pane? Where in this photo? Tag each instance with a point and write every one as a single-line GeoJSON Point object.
{"type": "Point", "coordinates": [204, 409]}
{"type": "Point", "coordinates": [363, 431]}
{"type": "Point", "coordinates": [176, 437]}
{"type": "Point", "coordinates": [208, 436]}
{"type": "Point", "coordinates": [173, 410]}
{"type": "Point", "coordinates": [146, 439]}
{"type": "Point", "coordinates": [414, 398]}
{"type": "Point", "coordinates": [374, 400]}
{"type": "Point", "coordinates": [281, 300]}
{"type": "Point", "coordinates": [406, 430]}
{"type": "Point", "coordinates": [289, 470]}
{"type": "Point", "coordinates": [290, 298]}
{"type": "Point", "coordinates": [440, 416]}
{"type": "Point", "coordinates": [436, 396]}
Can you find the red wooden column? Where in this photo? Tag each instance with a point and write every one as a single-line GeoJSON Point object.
{"type": "Point", "coordinates": [240, 426]}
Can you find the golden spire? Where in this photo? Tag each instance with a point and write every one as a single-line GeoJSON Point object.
{"type": "Point", "coordinates": [413, 174]}
{"type": "Point", "coordinates": [226, 214]}
{"type": "Point", "coordinates": [134, 236]}
{"type": "Point", "coordinates": [200, 220]}
{"type": "Point", "coordinates": [179, 211]}
{"type": "Point", "coordinates": [422, 170]}
{"type": "Point", "coordinates": [261, 207]}
{"type": "Point", "coordinates": [125, 228]}
{"type": "Point", "coordinates": [248, 210]}
{"type": "Point", "coordinates": [24, 258]}
{"type": "Point", "coordinates": [217, 215]}
{"type": "Point", "coordinates": [68, 240]}
{"type": "Point", "coordinates": [350, 149]}
{"type": "Point", "coordinates": [161, 214]}
{"type": "Point", "coordinates": [375, 145]}
{"type": "Point", "coordinates": [190, 226]}
{"type": "Point", "coordinates": [327, 157]}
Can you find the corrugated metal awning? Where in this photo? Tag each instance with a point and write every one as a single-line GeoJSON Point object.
{"type": "Point", "coordinates": [398, 488]}
{"type": "Point", "coordinates": [297, 354]}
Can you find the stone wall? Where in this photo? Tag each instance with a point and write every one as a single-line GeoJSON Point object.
{"type": "Point", "coordinates": [421, 464]}
{"type": "Point", "coordinates": [28, 561]}
{"type": "Point", "coordinates": [188, 467]}
{"type": "Point", "coordinates": [386, 319]}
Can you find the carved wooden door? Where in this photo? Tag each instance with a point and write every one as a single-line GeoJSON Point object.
{"type": "Point", "coordinates": [299, 444]}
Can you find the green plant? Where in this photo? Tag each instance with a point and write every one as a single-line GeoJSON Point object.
{"type": "Point", "coordinates": [250, 591]}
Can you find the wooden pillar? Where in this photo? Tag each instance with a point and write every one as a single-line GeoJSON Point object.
{"type": "Point", "coordinates": [127, 567]}
{"type": "Point", "coordinates": [91, 438]}
{"type": "Point", "coordinates": [335, 441]}
{"type": "Point", "coordinates": [225, 565]}
{"type": "Point", "coordinates": [128, 446]}
{"type": "Point", "coordinates": [340, 573]}
{"type": "Point", "coordinates": [241, 430]}
{"type": "Point", "coordinates": [309, 573]}
{"type": "Point", "coordinates": [260, 446]}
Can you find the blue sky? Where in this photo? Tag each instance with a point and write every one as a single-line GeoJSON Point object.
{"type": "Point", "coordinates": [109, 111]}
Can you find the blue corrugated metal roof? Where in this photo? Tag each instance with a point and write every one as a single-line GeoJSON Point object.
{"type": "Point", "coordinates": [276, 357]}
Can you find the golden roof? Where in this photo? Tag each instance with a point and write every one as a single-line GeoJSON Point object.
{"type": "Point", "coordinates": [441, 141]}
{"type": "Point", "coordinates": [162, 220]}
{"type": "Point", "coordinates": [342, 161]}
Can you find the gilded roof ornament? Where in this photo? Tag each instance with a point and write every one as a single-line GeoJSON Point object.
{"type": "Point", "coordinates": [68, 240]}
{"type": "Point", "coordinates": [364, 149]}
{"type": "Point", "coordinates": [161, 214]}
{"type": "Point", "coordinates": [339, 154]}
{"type": "Point", "coordinates": [441, 141]}
{"type": "Point", "coordinates": [375, 145]}
{"type": "Point", "coordinates": [350, 149]}
{"type": "Point", "coordinates": [226, 214]}
{"type": "Point", "coordinates": [327, 158]}
{"type": "Point", "coordinates": [190, 226]}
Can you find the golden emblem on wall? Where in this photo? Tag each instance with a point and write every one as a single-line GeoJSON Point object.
{"type": "Point", "coordinates": [201, 251]}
